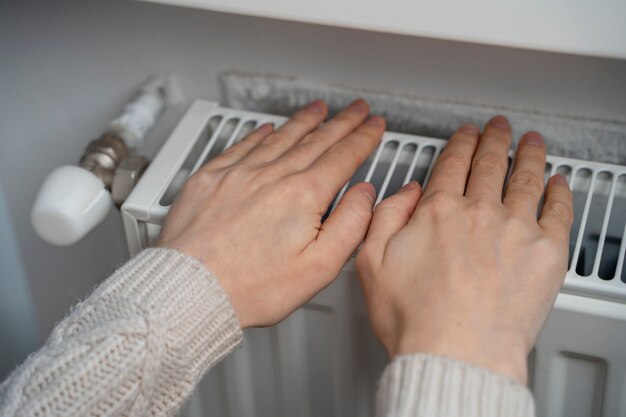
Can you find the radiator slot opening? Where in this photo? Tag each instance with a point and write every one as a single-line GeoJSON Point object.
{"type": "Point", "coordinates": [382, 162]}
{"type": "Point", "coordinates": [566, 171]}
{"type": "Point", "coordinates": [580, 188]}
{"type": "Point", "coordinates": [225, 133]}
{"type": "Point", "coordinates": [595, 220]}
{"type": "Point", "coordinates": [616, 226]}
{"type": "Point", "coordinates": [399, 175]}
{"type": "Point", "coordinates": [423, 162]}
{"type": "Point", "coordinates": [190, 161]}
{"type": "Point", "coordinates": [245, 130]}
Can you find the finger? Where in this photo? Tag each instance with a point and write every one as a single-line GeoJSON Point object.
{"type": "Point", "coordinates": [490, 161]}
{"type": "Point", "coordinates": [315, 144]}
{"type": "Point", "coordinates": [339, 163]}
{"type": "Point", "coordinates": [345, 228]}
{"type": "Point", "coordinates": [525, 185]}
{"type": "Point", "coordinates": [298, 126]}
{"type": "Point", "coordinates": [453, 165]}
{"type": "Point", "coordinates": [557, 214]}
{"type": "Point", "coordinates": [390, 216]}
{"type": "Point", "coordinates": [239, 150]}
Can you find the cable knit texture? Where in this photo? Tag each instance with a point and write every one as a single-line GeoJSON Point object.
{"type": "Point", "coordinates": [136, 347]}
{"type": "Point", "coordinates": [435, 386]}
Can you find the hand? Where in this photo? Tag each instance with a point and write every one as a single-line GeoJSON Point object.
{"type": "Point", "coordinates": [253, 214]}
{"type": "Point", "coordinates": [460, 271]}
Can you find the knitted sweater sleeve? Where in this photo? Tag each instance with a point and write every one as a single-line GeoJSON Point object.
{"type": "Point", "coordinates": [141, 342]}
{"type": "Point", "coordinates": [136, 347]}
{"type": "Point", "coordinates": [421, 385]}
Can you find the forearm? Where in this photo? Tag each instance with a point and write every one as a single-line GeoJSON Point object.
{"type": "Point", "coordinates": [137, 346]}
{"type": "Point", "coordinates": [428, 385]}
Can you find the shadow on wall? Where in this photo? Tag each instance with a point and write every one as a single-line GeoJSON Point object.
{"type": "Point", "coordinates": [17, 324]}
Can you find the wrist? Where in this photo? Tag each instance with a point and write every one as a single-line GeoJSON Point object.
{"type": "Point", "coordinates": [503, 358]}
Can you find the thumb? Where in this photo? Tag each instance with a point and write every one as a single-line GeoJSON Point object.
{"type": "Point", "coordinates": [391, 215]}
{"type": "Point", "coordinates": [346, 227]}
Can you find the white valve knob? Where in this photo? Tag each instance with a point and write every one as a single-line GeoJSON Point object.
{"type": "Point", "coordinates": [71, 202]}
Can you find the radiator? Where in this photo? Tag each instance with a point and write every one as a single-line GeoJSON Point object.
{"type": "Point", "coordinates": [324, 360]}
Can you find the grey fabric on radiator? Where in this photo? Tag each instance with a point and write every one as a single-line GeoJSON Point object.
{"type": "Point", "coordinates": [566, 135]}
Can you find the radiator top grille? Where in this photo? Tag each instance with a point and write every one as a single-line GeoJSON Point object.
{"type": "Point", "coordinates": [597, 242]}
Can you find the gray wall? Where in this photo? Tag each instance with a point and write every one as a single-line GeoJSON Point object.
{"type": "Point", "coordinates": [17, 320]}
{"type": "Point", "coordinates": [68, 66]}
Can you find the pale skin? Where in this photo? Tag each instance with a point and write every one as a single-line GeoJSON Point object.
{"type": "Point", "coordinates": [459, 270]}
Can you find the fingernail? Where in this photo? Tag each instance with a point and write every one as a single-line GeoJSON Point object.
{"type": "Point", "coordinates": [469, 128]}
{"type": "Point", "coordinates": [358, 105]}
{"type": "Point", "coordinates": [316, 107]}
{"type": "Point", "coordinates": [500, 122]}
{"type": "Point", "coordinates": [375, 121]}
{"type": "Point", "coordinates": [533, 138]}
{"type": "Point", "coordinates": [409, 186]}
{"type": "Point", "coordinates": [560, 179]}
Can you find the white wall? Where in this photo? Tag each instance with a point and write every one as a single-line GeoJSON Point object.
{"type": "Point", "coordinates": [66, 67]}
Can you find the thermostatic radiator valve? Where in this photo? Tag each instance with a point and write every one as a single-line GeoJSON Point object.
{"type": "Point", "coordinates": [75, 199]}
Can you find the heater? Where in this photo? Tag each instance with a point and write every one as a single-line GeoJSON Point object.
{"type": "Point", "coordinates": [324, 360]}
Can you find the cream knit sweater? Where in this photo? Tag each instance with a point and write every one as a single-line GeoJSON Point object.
{"type": "Point", "coordinates": [142, 341]}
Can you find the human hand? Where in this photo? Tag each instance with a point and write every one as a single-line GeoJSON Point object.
{"type": "Point", "coordinates": [461, 272]}
{"type": "Point", "coordinates": [253, 214]}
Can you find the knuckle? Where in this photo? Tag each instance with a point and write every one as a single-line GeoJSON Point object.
{"type": "Point", "coordinates": [235, 175]}
{"type": "Point", "coordinates": [483, 213]}
{"type": "Point", "coordinates": [551, 248]}
{"type": "Point", "coordinates": [515, 224]}
{"type": "Point", "coordinates": [490, 161]}
{"type": "Point", "coordinates": [451, 160]}
{"type": "Point", "coordinates": [440, 205]}
{"type": "Point", "coordinates": [319, 135]}
{"type": "Point", "coordinates": [368, 134]}
{"type": "Point", "coordinates": [304, 181]}
{"type": "Point", "coordinates": [562, 209]}
{"type": "Point", "coordinates": [270, 171]}
{"type": "Point", "coordinates": [349, 150]}
{"type": "Point", "coordinates": [225, 157]}
{"type": "Point", "coordinates": [526, 180]}
{"type": "Point", "coordinates": [276, 137]}
{"type": "Point", "coordinates": [305, 147]}
{"type": "Point", "coordinates": [233, 151]}
{"type": "Point", "coordinates": [201, 179]}
{"type": "Point", "coordinates": [301, 188]}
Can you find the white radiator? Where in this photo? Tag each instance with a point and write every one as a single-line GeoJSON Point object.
{"type": "Point", "coordinates": [324, 360]}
